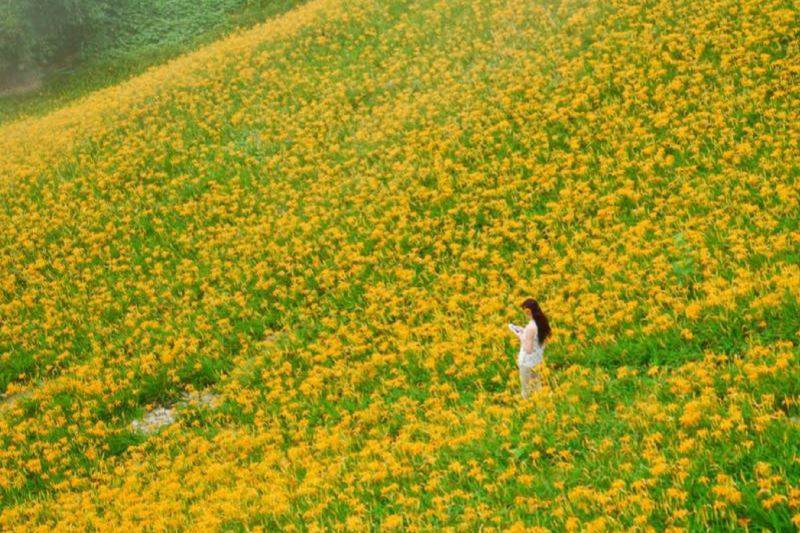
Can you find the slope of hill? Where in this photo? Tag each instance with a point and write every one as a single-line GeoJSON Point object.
{"type": "Point", "coordinates": [329, 219]}
{"type": "Point", "coordinates": [102, 43]}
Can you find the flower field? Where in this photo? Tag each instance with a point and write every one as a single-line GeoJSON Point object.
{"type": "Point", "coordinates": [329, 219]}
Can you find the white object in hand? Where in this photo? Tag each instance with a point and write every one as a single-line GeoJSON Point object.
{"type": "Point", "coordinates": [516, 329]}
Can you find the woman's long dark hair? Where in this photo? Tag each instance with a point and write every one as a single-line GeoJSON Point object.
{"type": "Point", "coordinates": [542, 325]}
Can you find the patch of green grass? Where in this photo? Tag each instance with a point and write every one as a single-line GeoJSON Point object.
{"type": "Point", "coordinates": [718, 331]}
{"type": "Point", "coordinates": [141, 34]}
{"type": "Point", "coordinates": [119, 441]}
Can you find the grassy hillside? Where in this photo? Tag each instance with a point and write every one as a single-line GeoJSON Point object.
{"type": "Point", "coordinates": [329, 220]}
{"type": "Point", "coordinates": [122, 39]}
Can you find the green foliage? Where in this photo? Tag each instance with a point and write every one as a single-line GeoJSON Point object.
{"type": "Point", "coordinates": [37, 33]}
{"type": "Point", "coordinates": [120, 440]}
{"type": "Point", "coordinates": [77, 46]}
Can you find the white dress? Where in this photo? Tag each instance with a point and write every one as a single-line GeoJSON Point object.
{"type": "Point", "coordinates": [525, 359]}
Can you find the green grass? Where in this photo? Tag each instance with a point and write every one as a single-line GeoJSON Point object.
{"type": "Point", "coordinates": [144, 34]}
{"type": "Point", "coordinates": [721, 332]}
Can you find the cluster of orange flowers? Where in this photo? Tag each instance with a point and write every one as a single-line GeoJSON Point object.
{"type": "Point", "coordinates": [329, 219]}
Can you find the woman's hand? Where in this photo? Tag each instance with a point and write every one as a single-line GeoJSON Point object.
{"type": "Point", "coordinates": [515, 329]}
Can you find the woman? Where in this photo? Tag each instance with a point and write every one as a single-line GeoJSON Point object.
{"type": "Point", "coordinates": [532, 339]}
